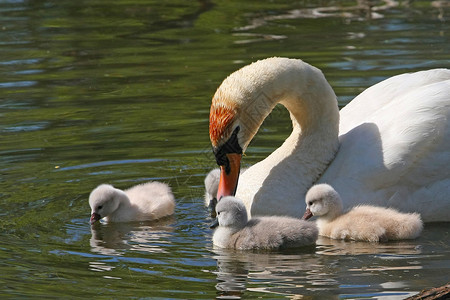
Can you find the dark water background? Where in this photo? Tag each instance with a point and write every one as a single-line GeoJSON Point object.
{"type": "Point", "coordinates": [119, 92]}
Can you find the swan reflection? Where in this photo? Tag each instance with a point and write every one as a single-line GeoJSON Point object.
{"type": "Point", "coordinates": [117, 238]}
{"type": "Point", "coordinates": [238, 269]}
{"type": "Point", "coordinates": [327, 246]}
{"type": "Point", "coordinates": [310, 272]}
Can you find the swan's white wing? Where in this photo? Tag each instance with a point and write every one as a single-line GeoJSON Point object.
{"type": "Point", "coordinates": [376, 97]}
{"type": "Point", "coordinates": [395, 146]}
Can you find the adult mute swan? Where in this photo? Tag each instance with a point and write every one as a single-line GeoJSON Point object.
{"type": "Point", "coordinates": [362, 223]}
{"type": "Point", "coordinates": [144, 202]}
{"type": "Point", "coordinates": [274, 232]}
{"type": "Point", "coordinates": [391, 146]}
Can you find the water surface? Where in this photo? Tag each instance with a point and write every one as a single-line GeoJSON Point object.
{"type": "Point", "coordinates": [118, 92]}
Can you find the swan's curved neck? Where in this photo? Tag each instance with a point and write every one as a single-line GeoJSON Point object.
{"type": "Point", "coordinates": [246, 98]}
{"type": "Point", "coordinates": [315, 126]}
{"type": "Point", "coordinates": [334, 211]}
{"type": "Point", "coordinates": [313, 108]}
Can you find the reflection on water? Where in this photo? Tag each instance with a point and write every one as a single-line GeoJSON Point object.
{"type": "Point", "coordinates": [239, 271]}
{"type": "Point", "coordinates": [118, 238]}
{"type": "Point", "coordinates": [326, 246]}
{"type": "Point", "coordinates": [361, 10]}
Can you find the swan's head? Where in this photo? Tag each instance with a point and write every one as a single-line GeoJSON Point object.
{"type": "Point", "coordinates": [231, 213]}
{"type": "Point", "coordinates": [104, 200]}
{"type": "Point", "coordinates": [322, 201]}
{"type": "Point", "coordinates": [239, 106]}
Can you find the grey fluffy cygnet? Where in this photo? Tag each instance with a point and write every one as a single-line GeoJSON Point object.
{"type": "Point", "coordinates": [361, 223]}
{"type": "Point", "coordinates": [143, 202]}
{"type": "Point", "coordinates": [275, 232]}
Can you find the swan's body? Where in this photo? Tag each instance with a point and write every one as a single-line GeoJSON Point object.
{"type": "Point", "coordinates": [144, 202]}
{"type": "Point", "coordinates": [391, 146]}
{"type": "Point", "coordinates": [235, 231]}
{"type": "Point", "coordinates": [362, 223]}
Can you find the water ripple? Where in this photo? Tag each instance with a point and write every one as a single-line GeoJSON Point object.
{"type": "Point", "coordinates": [110, 163]}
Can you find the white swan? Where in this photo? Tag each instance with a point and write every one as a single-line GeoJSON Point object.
{"type": "Point", "coordinates": [361, 223]}
{"type": "Point", "coordinates": [144, 202]}
{"type": "Point", "coordinates": [236, 231]}
{"type": "Point", "coordinates": [393, 139]}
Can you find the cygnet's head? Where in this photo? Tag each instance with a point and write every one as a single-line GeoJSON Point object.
{"type": "Point", "coordinates": [322, 201]}
{"type": "Point", "coordinates": [212, 184]}
{"type": "Point", "coordinates": [231, 213]}
{"type": "Point", "coordinates": [211, 188]}
{"type": "Point", "coordinates": [104, 200]}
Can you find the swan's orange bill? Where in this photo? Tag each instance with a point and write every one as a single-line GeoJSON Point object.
{"type": "Point", "coordinates": [228, 181]}
{"type": "Point", "coordinates": [308, 214]}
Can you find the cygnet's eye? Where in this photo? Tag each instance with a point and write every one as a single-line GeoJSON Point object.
{"type": "Point", "coordinates": [218, 213]}
{"type": "Point", "coordinates": [100, 207]}
{"type": "Point", "coordinates": [309, 203]}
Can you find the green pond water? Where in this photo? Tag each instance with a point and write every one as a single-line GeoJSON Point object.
{"type": "Point", "coordinates": [119, 92]}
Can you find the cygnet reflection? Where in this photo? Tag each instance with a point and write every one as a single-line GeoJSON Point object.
{"type": "Point", "coordinates": [117, 238]}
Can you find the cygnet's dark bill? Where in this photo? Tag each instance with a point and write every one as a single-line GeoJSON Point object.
{"type": "Point", "coordinates": [94, 218]}
{"type": "Point", "coordinates": [308, 214]}
{"type": "Point", "coordinates": [214, 224]}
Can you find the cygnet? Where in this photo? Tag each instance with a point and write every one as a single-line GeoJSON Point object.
{"type": "Point", "coordinates": [361, 223]}
{"type": "Point", "coordinates": [274, 232]}
{"type": "Point", "coordinates": [143, 202]}
{"type": "Point", "coordinates": [211, 188]}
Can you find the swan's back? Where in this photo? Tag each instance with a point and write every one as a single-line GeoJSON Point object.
{"type": "Point", "coordinates": [398, 226]}
{"type": "Point", "coordinates": [376, 97]}
{"type": "Point", "coordinates": [151, 200]}
{"type": "Point", "coordinates": [274, 233]}
{"type": "Point", "coordinates": [373, 224]}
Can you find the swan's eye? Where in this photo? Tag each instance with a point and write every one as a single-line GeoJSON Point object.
{"type": "Point", "coordinates": [218, 213]}
{"type": "Point", "coordinates": [230, 146]}
{"type": "Point", "coordinates": [309, 203]}
{"type": "Point", "coordinates": [100, 207]}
